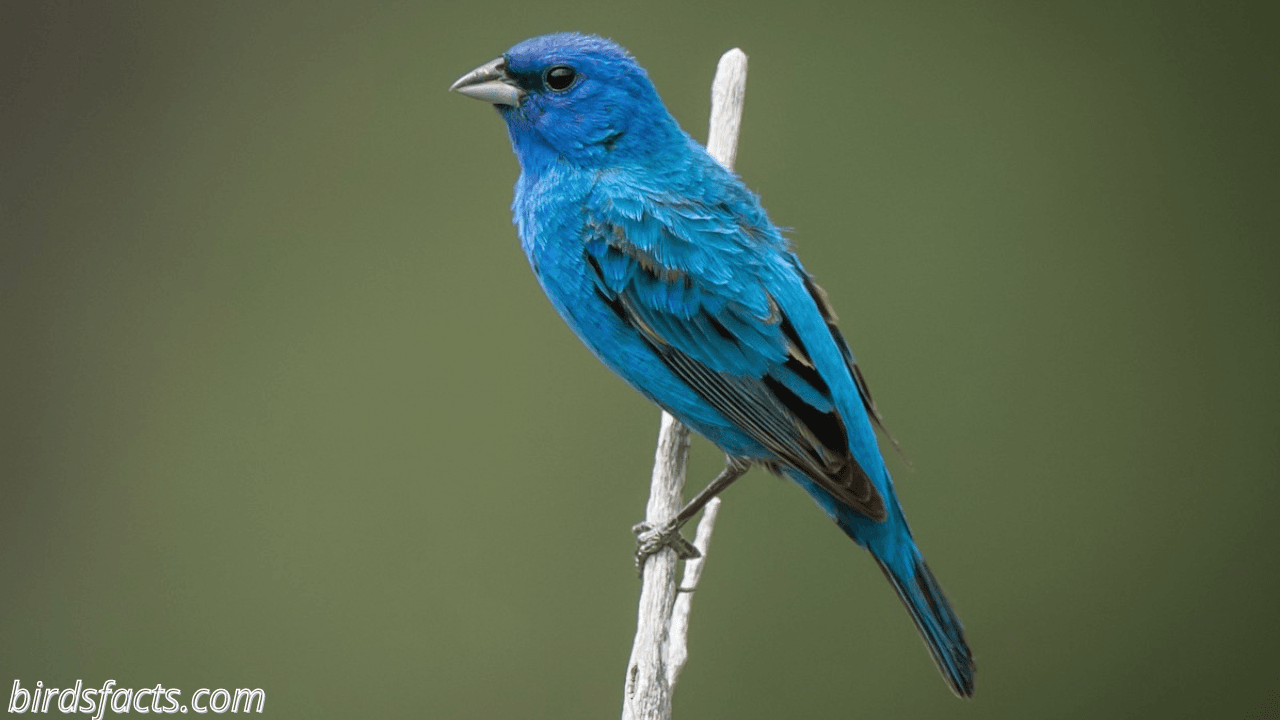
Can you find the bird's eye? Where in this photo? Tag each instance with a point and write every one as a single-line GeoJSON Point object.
{"type": "Point", "coordinates": [560, 77]}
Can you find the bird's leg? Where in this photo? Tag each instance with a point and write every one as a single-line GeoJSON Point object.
{"type": "Point", "coordinates": [650, 540]}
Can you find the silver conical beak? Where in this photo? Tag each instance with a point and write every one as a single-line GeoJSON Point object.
{"type": "Point", "coordinates": [490, 83]}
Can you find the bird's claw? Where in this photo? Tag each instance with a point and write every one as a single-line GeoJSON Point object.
{"type": "Point", "coordinates": [650, 540]}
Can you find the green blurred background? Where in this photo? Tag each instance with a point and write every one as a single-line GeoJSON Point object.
{"type": "Point", "coordinates": [284, 408]}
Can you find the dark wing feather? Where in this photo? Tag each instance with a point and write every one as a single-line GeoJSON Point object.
{"type": "Point", "coordinates": [864, 391]}
{"type": "Point", "coordinates": [744, 359]}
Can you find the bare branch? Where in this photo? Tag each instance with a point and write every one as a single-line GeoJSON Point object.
{"type": "Point", "coordinates": [728, 93]}
{"type": "Point", "coordinates": [660, 649]}
{"type": "Point", "coordinates": [678, 647]}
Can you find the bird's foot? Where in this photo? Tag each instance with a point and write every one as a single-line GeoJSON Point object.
{"type": "Point", "coordinates": [650, 540]}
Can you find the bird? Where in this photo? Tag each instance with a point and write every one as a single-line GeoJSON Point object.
{"type": "Point", "coordinates": [668, 269]}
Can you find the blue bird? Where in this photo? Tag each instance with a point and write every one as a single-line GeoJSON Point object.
{"type": "Point", "coordinates": [668, 269]}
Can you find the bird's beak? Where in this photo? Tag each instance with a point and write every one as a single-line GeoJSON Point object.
{"type": "Point", "coordinates": [490, 83]}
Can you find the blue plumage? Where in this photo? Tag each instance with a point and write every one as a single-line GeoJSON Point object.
{"type": "Point", "coordinates": [669, 270]}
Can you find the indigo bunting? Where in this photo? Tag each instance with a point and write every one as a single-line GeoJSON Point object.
{"type": "Point", "coordinates": [668, 269]}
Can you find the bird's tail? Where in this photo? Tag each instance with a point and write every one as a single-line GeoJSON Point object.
{"type": "Point", "coordinates": [934, 618]}
{"type": "Point", "coordinates": [890, 543]}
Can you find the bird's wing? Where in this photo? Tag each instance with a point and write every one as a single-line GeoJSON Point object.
{"type": "Point", "coordinates": [864, 391]}
{"type": "Point", "coordinates": [688, 279]}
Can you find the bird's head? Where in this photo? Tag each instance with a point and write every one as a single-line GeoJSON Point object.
{"type": "Point", "coordinates": [573, 98]}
